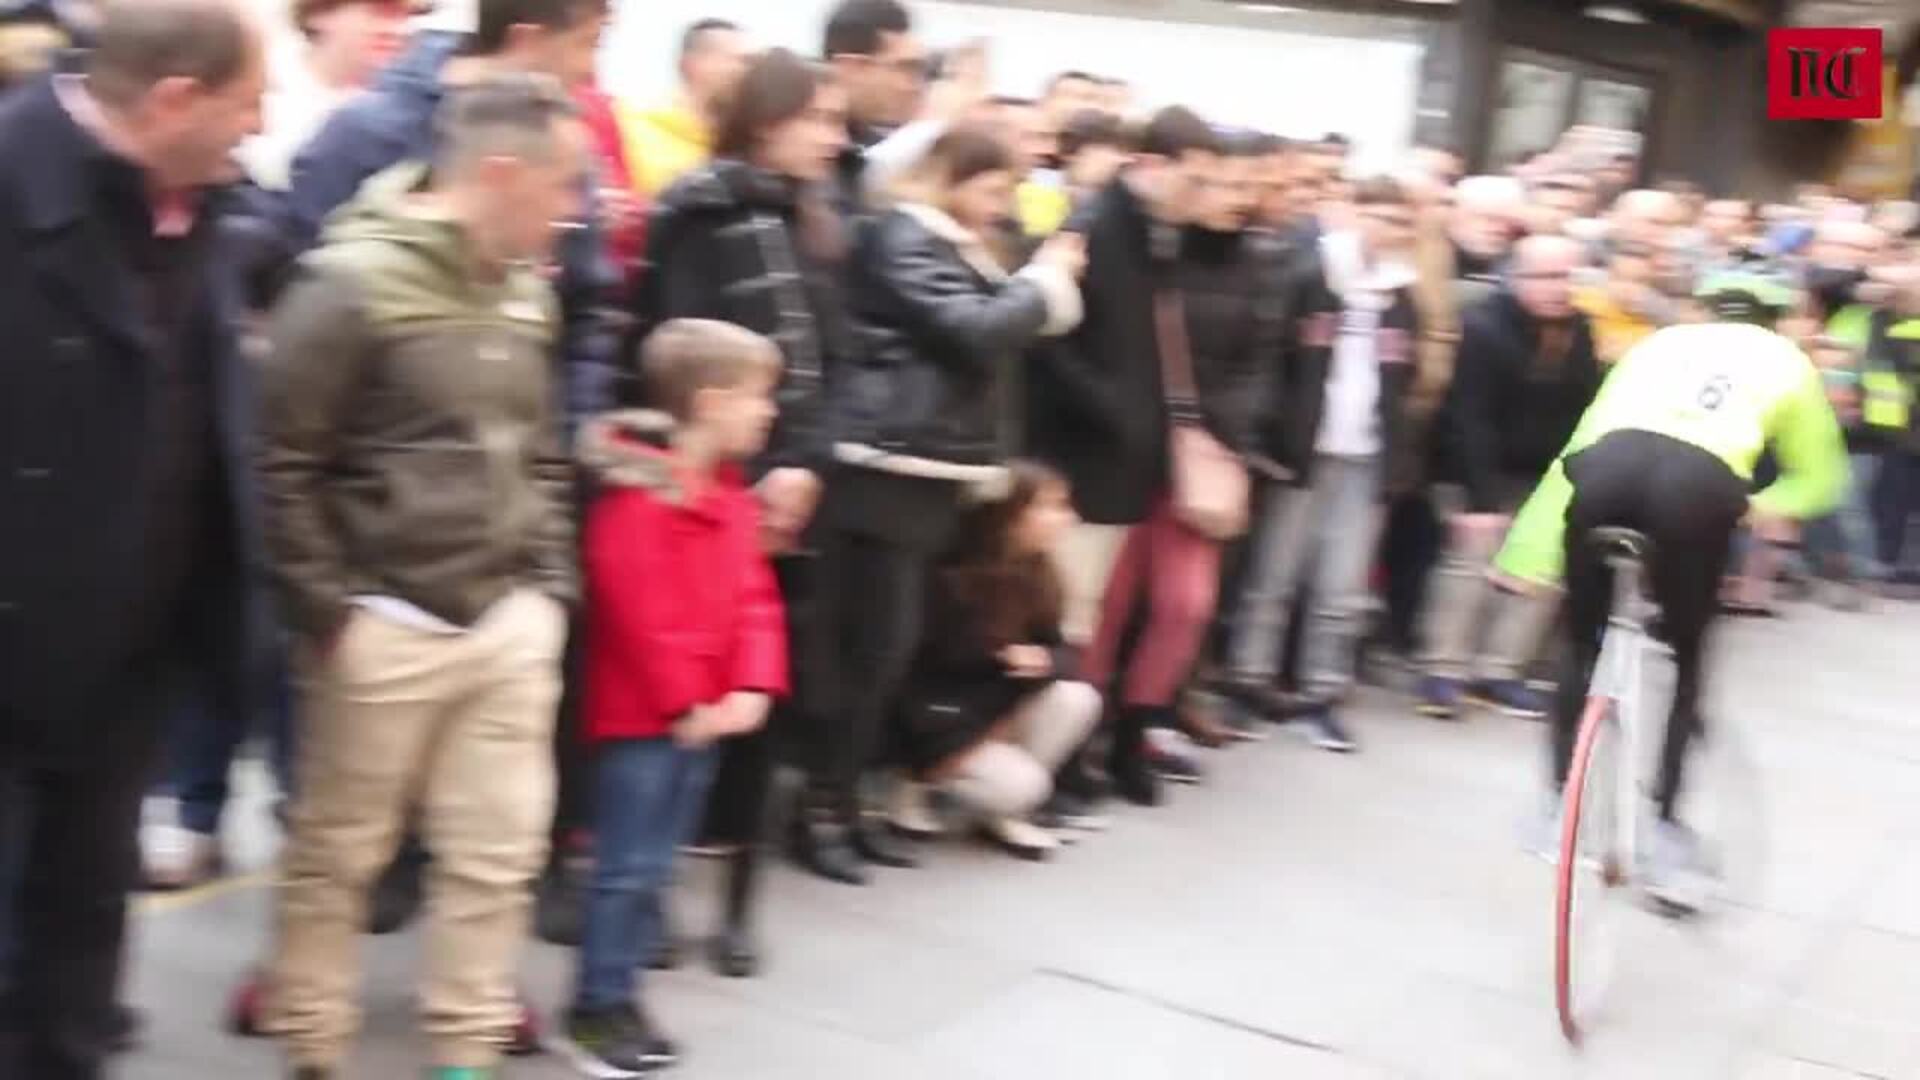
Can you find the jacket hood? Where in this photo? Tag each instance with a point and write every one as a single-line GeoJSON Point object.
{"type": "Point", "coordinates": [418, 261]}
{"type": "Point", "coordinates": [629, 449]}
{"type": "Point", "coordinates": [384, 212]}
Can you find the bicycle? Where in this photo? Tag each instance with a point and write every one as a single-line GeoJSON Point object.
{"type": "Point", "coordinates": [1604, 809]}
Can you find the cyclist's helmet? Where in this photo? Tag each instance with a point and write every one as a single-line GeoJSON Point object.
{"type": "Point", "coordinates": [1746, 294]}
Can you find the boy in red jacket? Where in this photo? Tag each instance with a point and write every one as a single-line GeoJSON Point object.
{"type": "Point", "coordinates": [686, 645]}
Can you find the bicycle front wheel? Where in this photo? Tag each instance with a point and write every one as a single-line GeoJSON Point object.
{"type": "Point", "coordinates": [1592, 869]}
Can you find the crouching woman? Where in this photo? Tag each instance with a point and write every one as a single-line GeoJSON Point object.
{"type": "Point", "coordinates": [991, 709]}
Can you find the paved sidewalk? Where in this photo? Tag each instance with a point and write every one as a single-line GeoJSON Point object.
{"type": "Point", "coordinates": [1302, 916]}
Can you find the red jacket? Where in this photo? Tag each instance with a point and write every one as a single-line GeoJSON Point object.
{"type": "Point", "coordinates": [682, 606]}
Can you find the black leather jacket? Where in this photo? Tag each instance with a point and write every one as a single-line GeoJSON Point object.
{"type": "Point", "coordinates": [938, 330]}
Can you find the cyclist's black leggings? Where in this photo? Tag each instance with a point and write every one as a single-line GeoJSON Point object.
{"type": "Point", "coordinates": [1689, 503]}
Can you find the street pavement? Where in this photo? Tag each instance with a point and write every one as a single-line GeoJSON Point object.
{"type": "Point", "coordinates": [1301, 915]}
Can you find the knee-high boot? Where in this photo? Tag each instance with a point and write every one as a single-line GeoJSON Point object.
{"type": "Point", "coordinates": [736, 948]}
{"type": "Point", "coordinates": [1133, 775]}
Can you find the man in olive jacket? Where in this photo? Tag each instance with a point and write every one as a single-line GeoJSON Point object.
{"type": "Point", "coordinates": [418, 495]}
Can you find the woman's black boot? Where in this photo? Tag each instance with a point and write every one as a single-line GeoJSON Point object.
{"type": "Point", "coordinates": [819, 840]}
{"type": "Point", "coordinates": [879, 847]}
{"type": "Point", "coordinates": [736, 949]}
{"type": "Point", "coordinates": [1133, 775]}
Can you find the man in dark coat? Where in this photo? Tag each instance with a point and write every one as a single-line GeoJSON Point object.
{"type": "Point", "coordinates": [124, 479]}
{"type": "Point", "coordinates": [1524, 374]}
{"type": "Point", "coordinates": [877, 57]}
{"type": "Point", "coordinates": [1100, 412]}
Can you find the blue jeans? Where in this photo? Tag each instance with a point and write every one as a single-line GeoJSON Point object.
{"type": "Point", "coordinates": [1849, 535]}
{"type": "Point", "coordinates": [1899, 504]}
{"type": "Point", "coordinates": [203, 735]}
{"type": "Point", "coordinates": [647, 803]}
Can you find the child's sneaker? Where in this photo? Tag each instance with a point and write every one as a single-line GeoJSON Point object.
{"type": "Point", "coordinates": [614, 1044]}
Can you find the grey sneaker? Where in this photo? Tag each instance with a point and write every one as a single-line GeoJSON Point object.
{"type": "Point", "coordinates": [1540, 831]}
{"type": "Point", "coordinates": [1324, 729]}
{"type": "Point", "coordinates": [1243, 726]}
{"type": "Point", "coordinates": [1515, 698]}
{"type": "Point", "coordinates": [1675, 869]}
{"type": "Point", "coordinates": [1844, 596]}
{"type": "Point", "coordinates": [1544, 829]}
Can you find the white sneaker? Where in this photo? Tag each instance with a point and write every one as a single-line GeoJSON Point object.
{"type": "Point", "coordinates": [1022, 838]}
{"type": "Point", "coordinates": [1677, 875]}
{"type": "Point", "coordinates": [1844, 596]}
{"type": "Point", "coordinates": [1540, 832]}
{"type": "Point", "coordinates": [1169, 741]}
{"type": "Point", "coordinates": [174, 857]}
{"type": "Point", "coordinates": [909, 812]}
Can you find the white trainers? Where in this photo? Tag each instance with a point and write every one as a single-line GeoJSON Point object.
{"type": "Point", "coordinates": [1677, 874]}
{"type": "Point", "coordinates": [1540, 832]}
{"type": "Point", "coordinates": [909, 812]}
{"type": "Point", "coordinates": [174, 857]}
{"type": "Point", "coordinates": [1022, 838]}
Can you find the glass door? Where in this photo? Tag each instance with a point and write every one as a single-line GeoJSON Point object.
{"type": "Point", "coordinates": [1542, 94]}
{"type": "Point", "coordinates": [1614, 103]}
{"type": "Point", "coordinates": [1531, 110]}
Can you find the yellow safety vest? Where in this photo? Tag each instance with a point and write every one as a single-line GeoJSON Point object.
{"type": "Point", "coordinates": [1886, 397]}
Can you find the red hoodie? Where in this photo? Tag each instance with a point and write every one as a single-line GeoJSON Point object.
{"type": "Point", "coordinates": [682, 605]}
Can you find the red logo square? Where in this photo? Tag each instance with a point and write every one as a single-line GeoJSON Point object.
{"type": "Point", "coordinates": [1825, 73]}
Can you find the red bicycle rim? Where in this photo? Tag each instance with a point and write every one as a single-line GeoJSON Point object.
{"type": "Point", "coordinates": [1592, 721]}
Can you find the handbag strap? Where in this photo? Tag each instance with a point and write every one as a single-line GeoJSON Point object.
{"type": "Point", "coordinates": [1178, 387]}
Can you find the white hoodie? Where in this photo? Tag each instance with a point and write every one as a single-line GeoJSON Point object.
{"type": "Point", "coordinates": [1350, 423]}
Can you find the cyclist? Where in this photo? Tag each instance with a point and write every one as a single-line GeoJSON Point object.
{"type": "Point", "coordinates": [1668, 448]}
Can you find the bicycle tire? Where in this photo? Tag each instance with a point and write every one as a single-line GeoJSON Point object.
{"type": "Point", "coordinates": [1589, 854]}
